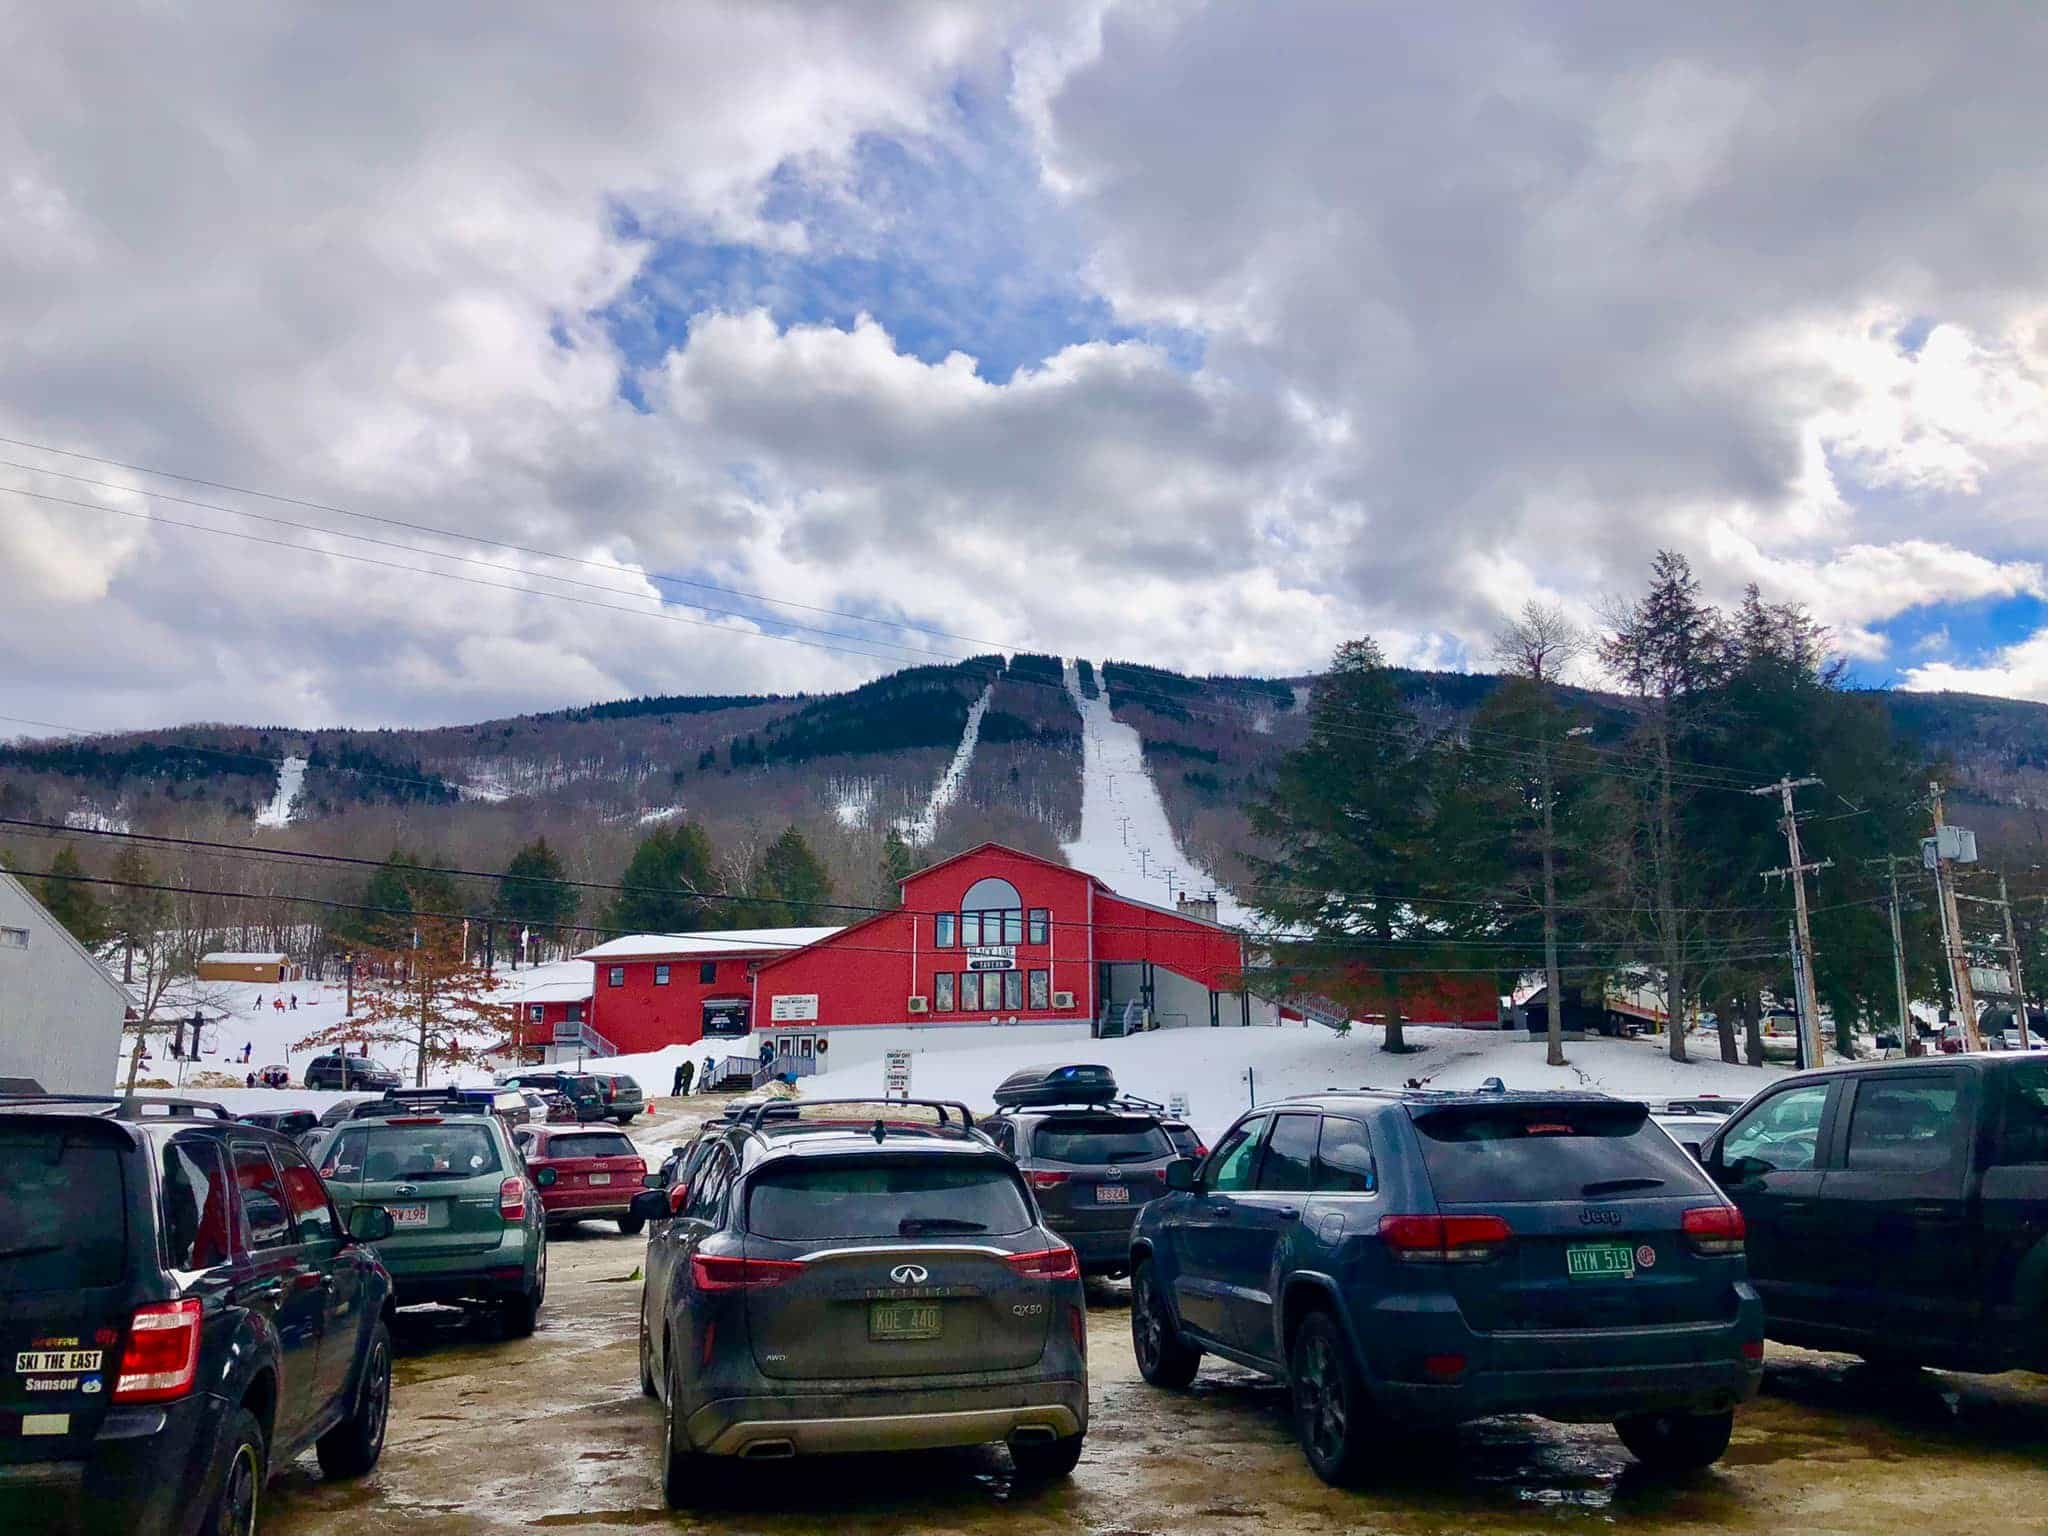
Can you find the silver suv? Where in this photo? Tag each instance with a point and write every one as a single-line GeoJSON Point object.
{"type": "Point", "coordinates": [833, 1281]}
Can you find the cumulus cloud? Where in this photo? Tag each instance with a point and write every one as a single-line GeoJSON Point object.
{"type": "Point", "coordinates": [2014, 671]}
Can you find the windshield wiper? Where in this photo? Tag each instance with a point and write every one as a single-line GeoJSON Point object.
{"type": "Point", "coordinates": [911, 1226]}
{"type": "Point", "coordinates": [1615, 1186]}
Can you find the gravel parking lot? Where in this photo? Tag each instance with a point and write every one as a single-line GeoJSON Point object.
{"type": "Point", "coordinates": [551, 1433]}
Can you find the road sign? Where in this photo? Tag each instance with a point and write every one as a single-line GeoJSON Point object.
{"type": "Point", "coordinates": [896, 1074]}
{"type": "Point", "coordinates": [1177, 1105]}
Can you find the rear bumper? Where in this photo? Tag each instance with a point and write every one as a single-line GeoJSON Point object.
{"type": "Point", "coordinates": [1102, 1248]}
{"type": "Point", "coordinates": [487, 1274]}
{"type": "Point", "coordinates": [149, 1472]}
{"type": "Point", "coordinates": [593, 1203]}
{"type": "Point", "coordinates": [813, 1424]}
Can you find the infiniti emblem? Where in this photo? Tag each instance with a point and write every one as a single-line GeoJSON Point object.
{"type": "Point", "coordinates": [909, 1274]}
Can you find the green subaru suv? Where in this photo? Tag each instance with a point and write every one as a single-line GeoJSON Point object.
{"type": "Point", "coordinates": [467, 1227]}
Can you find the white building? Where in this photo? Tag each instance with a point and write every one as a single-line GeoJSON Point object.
{"type": "Point", "coordinates": [60, 1012]}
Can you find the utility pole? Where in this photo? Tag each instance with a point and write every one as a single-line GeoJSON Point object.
{"type": "Point", "coordinates": [2012, 951]}
{"type": "Point", "coordinates": [1909, 1037]}
{"type": "Point", "coordinates": [1952, 932]}
{"type": "Point", "coordinates": [1809, 1005]}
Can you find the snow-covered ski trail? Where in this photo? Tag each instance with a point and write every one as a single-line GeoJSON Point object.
{"type": "Point", "coordinates": [1125, 836]}
{"type": "Point", "coordinates": [919, 830]}
{"type": "Point", "coordinates": [291, 776]}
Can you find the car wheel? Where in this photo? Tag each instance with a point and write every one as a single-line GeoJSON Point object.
{"type": "Point", "coordinates": [647, 1387]}
{"type": "Point", "coordinates": [631, 1225]}
{"type": "Point", "coordinates": [1163, 1358]}
{"type": "Point", "coordinates": [687, 1477]}
{"type": "Point", "coordinates": [1676, 1442]}
{"type": "Point", "coordinates": [1331, 1410]}
{"type": "Point", "coordinates": [1045, 1461]}
{"type": "Point", "coordinates": [233, 1511]}
{"type": "Point", "coordinates": [352, 1447]}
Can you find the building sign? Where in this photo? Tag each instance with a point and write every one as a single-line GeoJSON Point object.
{"type": "Point", "coordinates": [992, 957]}
{"type": "Point", "coordinates": [725, 1016]}
{"type": "Point", "coordinates": [896, 1074]}
{"type": "Point", "coordinates": [794, 1008]}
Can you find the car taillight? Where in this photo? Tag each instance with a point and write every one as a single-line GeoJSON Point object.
{"type": "Point", "coordinates": [1444, 1239]}
{"type": "Point", "coordinates": [1714, 1230]}
{"type": "Point", "coordinates": [512, 1199]}
{"type": "Point", "coordinates": [1077, 1320]}
{"type": "Point", "coordinates": [1043, 1180]}
{"type": "Point", "coordinates": [161, 1357]}
{"type": "Point", "coordinates": [1060, 1263]}
{"type": "Point", "coordinates": [716, 1272]}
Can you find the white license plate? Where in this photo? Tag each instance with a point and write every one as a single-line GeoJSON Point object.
{"type": "Point", "coordinates": [408, 1215]}
{"type": "Point", "coordinates": [1112, 1194]}
{"type": "Point", "coordinates": [41, 1362]}
{"type": "Point", "coordinates": [600, 1178]}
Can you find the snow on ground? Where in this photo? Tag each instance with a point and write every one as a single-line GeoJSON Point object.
{"type": "Point", "coordinates": [1125, 838]}
{"type": "Point", "coordinates": [853, 800]}
{"type": "Point", "coordinates": [1220, 1069]}
{"type": "Point", "coordinates": [920, 829]}
{"type": "Point", "coordinates": [660, 814]}
{"type": "Point", "coordinates": [291, 777]}
{"type": "Point", "coordinates": [87, 817]}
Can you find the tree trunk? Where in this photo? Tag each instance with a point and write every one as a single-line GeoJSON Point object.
{"type": "Point", "coordinates": [127, 962]}
{"type": "Point", "coordinates": [1552, 981]}
{"type": "Point", "coordinates": [1752, 1028]}
{"type": "Point", "coordinates": [1667, 897]}
{"type": "Point", "coordinates": [1724, 1021]}
{"type": "Point", "coordinates": [419, 1066]}
{"type": "Point", "coordinates": [1391, 978]}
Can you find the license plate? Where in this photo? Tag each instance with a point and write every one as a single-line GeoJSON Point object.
{"type": "Point", "coordinates": [1112, 1194]}
{"type": "Point", "coordinates": [45, 1362]}
{"type": "Point", "coordinates": [896, 1321]}
{"type": "Point", "coordinates": [408, 1215]}
{"type": "Point", "coordinates": [1588, 1261]}
{"type": "Point", "coordinates": [600, 1178]}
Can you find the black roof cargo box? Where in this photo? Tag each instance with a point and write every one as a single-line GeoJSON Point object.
{"type": "Point", "coordinates": [1064, 1083]}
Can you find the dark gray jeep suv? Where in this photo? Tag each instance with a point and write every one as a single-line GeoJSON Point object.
{"type": "Point", "coordinates": [835, 1281]}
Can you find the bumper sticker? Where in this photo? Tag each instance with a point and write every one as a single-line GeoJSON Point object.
{"type": "Point", "coordinates": [46, 1423]}
{"type": "Point", "coordinates": [44, 1361]}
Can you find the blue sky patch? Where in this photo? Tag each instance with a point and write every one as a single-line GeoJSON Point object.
{"type": "Point", "coordinates": [1964, 633]}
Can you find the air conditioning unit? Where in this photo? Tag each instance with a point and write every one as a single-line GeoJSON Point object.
{"type": "Point", "coordinates": [919, 1005]}
{"type": "Point", "coordinates": [1063, 999]}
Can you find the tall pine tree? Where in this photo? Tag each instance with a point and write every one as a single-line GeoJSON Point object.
{"type": "Point", "coordinates": [666, 883]}
{"type": "Point", "coordinates": [534, 892]}
{"type": "Point", "coordinates": [70, 899]}
{"type": "Point", "coordinates": [791, 885]}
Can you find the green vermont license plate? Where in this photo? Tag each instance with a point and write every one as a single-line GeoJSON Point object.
{"type": "Point", "coordinates": [898, 1320]}
{"type": "Point", "coordinates": [1585, 1261]}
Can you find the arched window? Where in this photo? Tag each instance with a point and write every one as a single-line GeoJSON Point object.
{"type": "Point", "coordinates": [991, 913]}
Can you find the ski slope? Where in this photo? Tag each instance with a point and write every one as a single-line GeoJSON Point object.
{"type": "Point", "coordinates": [919, 830]}
{"type": "Point", "coordinates": [291, 777]}
{"type": "Point", "coordinates": [1126, 840]}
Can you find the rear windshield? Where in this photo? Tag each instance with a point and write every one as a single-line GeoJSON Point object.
{"type": "Point", "coordinates": [1100, 1139]}
{"type": "Point", "coordinates": [376, 1154]}
{"type": "Point", "coordinates": [1513, 1152]}
{"type": "Point", "coordinates": [63, 1210]}
{"type": "Point", "coordinates": [593, 1144]}
{"type": "Point", "coordinates": [956, 1196]}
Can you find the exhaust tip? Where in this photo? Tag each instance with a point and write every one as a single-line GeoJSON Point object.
{"type": "Point", "coordinates": [769, 1450]}
{"type": "Point", "coordinates": [1033, 1432]}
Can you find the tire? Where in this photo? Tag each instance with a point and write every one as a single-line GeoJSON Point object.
{"type": "Point", "coordinates": [1164, 1359]}
{"type": "Point", "coordinates": [352, 1447]}
{"type": "Point", "coordinates": [647, 1386]}
{"type": "Point", "coordinates": [520, 1314]}
{"type": "Point", "coordinates": [1046, 1461]}
{"type": "Point", "coordinates": [245, 1469]}
{"type": "Point", "coordinates": [629, 1226]}
{"type": "Point", "coordinates": [1677, 1442]}
{"type": "Point", "coordinates": [688, 1478]}
{"type": "Point", "coordinates": [1332, 1412]}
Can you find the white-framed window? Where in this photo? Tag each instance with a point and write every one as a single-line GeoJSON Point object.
{"type": "Point", "coordinates": [661, 975]}
{"type": "Point", "coordinates": [616, 976]}
{"type": "Point", "coordinates": [13, 938]}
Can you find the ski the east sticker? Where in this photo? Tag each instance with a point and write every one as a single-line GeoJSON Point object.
{"type": "Point", "coordinates": [56, 1362]}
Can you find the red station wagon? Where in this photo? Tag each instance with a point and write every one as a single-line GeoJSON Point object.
{"type": "Point", "coordinates": [582, 1172]}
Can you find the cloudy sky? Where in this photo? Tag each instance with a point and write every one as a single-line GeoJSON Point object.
{"type": "Point", "coordinates": [589, 351]}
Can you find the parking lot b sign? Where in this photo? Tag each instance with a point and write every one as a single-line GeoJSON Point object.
{"type": "Point", "coordinates": [896, 1074]}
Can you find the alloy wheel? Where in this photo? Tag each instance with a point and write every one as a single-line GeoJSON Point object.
{"type": "Point", "coordinates": [378, 1393]}
{"type": "Point", "coordinates": [1319, 1401]}
{"type": "Point", "coordinates": [238, 1498]}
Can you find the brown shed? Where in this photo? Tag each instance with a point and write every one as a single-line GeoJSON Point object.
{"type": "Point", "coordinates": [230, 965]}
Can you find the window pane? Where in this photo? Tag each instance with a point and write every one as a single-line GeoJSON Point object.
{"type": "Point", "coordinates": [970, 927]}
{"type": "Point", "coordinates": [1041, 989]}
{"type": "Point", "coordinates": [262, 1197]}
{"type": "Point", "coordinates": [63, 1210]}
{"type": "Point", "coordinates": [942, 929]}
{"type": "Point", "coordinates": [1290, 1151]}
{"type": "Point", "coordinates": [942, 992]}
{"type": "Point", "coordinates": [1013, 927]}
{"type": "Point", "coordinates": [1903, 1125]}
{"type": "Point", "coordinates": [1041, 922]}
{"type": "Point", "coordinates": [1100, 1139]}
{"type": "Point", "coordinates": [2023, 1136]}
{"type": "Point", "coordinates": [1013, 989]}
{"type": "Point", "coordinates": [1782, 1133]}
{"type": "Point", "coordinates": [707, 972]}
{"type": "Point", "coordinates": [795, 1202]}
{"type": "Point", "coordinates": [307, 1197]}
{"type": "Point", "coordinates": [970, 989]}
{"type": "Point", "coordinates": [616, 976]}
{"type": "Point", "coordinates": [1344, 1159]}
{"type": "Point", "coordinates": [661, 975]}
{"type": "Point", "coordinates": [196, 1212]}
{"type": "Point", "coordinates": [1551, 1152]}
{"type": "Point", "coordinates": [1231, 1167]}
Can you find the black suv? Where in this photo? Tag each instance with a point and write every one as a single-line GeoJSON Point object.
{"type": "Point", "coordinates": [339, 1070]}
{"type": "Point", "coordinates": [580, 1091]}
{"type": "Point", "coordinates": [1899, 1209]}
{"type": "Point", "coordinates": [184, 1312]}
{"type": "Point", "coordinates": [1418, 1259]}
{"type": "Point", "coordinates": [837, 1282]}
{"type": "Point", "coordinates": [1093, 1166]}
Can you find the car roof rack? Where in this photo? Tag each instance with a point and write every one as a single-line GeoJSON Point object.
{"type": "Point", "coordinates": [758, 1115]}
{"type": "Point", "coordinates": [413, 1101]}
{"type": "Point", "coordinates": [1123, 1103]}
{"type": "Point", "coordinates": [127, 1106]}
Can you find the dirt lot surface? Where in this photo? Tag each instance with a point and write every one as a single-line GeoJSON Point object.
{"type": "Point", "coordinates": [551, 1434]}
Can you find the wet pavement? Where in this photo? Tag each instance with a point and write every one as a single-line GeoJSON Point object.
{"type": "Point", "coordinates": [551, 1434]}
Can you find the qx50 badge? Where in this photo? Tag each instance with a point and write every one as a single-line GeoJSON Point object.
{"type": "Point", "coordinates": [909, 1274]}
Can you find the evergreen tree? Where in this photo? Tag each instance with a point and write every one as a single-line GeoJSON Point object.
{"type": "Point", "coordinates": [666, 881]}
{"type": "Point", "coordinates": [134, 913]}
{"type": "Point", "coordinates": [71, 901]}
{"type": "Point", "coordinates": [534, 892]}
{"type": "Point", "coordinates": [397, 889]}
{"type": "Point", "coordinates": [792, 884]}
{"type": "Point", "coordinates": [1351, 822]}
{"type": "Point", "coordinates": [899, 863]}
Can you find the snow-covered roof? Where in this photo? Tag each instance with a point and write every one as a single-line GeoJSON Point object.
{"type": "Point", "coordinates": [724, 941]}
{"type": "Point", "coordinates": [240, 957]}
{"type": "Point", "coordinates": [555, 992]}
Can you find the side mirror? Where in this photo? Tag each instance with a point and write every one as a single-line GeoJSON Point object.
{"type": "Point", "coordinates": [369, 1223]}
{"type": "Point", "coordinates": [651, 1181]}
{"type": "Point", "coordinates": [649, 1205]}
{"type": "Point", "coordinates": [544, 1177]}
{"type": "Point", "coordinates": [1180, 1174]}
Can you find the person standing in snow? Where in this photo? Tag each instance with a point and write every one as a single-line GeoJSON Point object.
{"type": "Point", "coordinates": [248, 1046]}
{"type": "Point", "coordinates": [259, 1002]}
{"type": "Point", "coordinates": [704, 1077]}
{"type": "Point", "coordinates": [295, 1002]}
